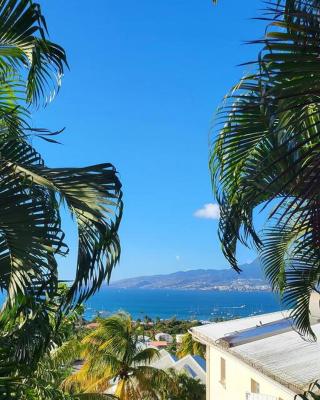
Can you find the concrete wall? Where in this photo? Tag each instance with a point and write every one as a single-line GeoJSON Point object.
{"type": "Point", "coordinates": [238, 379]}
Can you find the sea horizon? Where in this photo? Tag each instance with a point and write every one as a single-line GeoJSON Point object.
{"type": "Point", "coordinates": [199, 305]}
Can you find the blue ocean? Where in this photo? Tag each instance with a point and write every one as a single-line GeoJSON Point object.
{"type": "Point", "coordinates": [200, 305]}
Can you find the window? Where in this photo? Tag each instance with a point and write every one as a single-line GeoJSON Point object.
{"type": "Point", "coordinates": [222, 371]}
{"type": "Point", "coordinates": [255, 387]}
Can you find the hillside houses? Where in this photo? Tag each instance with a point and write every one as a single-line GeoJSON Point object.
{"type": "Point", "coordinates": [193, 366]}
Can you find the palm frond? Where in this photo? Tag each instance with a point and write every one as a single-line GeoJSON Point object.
{"type": "Point", "coordinates": [267, 153]}
{"type": "Point", "coordinates": [94, 396]}
{"type": "Point", "coordinates": [145, 356]}
{"type": "Point", "coordinates": [93, 196]}
{"type": "Point", "coordinates": [190, 346]}
{"type": "Point", "coordinates": [23, 43]}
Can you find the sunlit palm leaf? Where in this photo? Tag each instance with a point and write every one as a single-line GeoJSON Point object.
{"type": "Point", "coordinates": [113, 356]}
{"type": "Point", "coordinates": [23, 43]}
{"type": "Point", "coordinates": [94, 396]}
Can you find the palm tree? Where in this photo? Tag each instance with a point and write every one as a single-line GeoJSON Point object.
{"type": "Point", "coordinates": [116, 361]}
{"type": "Point", "coordinates": [190, 346]}
{"type": "Point", "coordinates": [188, 388]}
{"type": "Point", "coordinates": [31, 195]}
{"type": "Point", "coordinates": [182, 387]}
{"type": "Point", "coordinates": [41, 377]}
{"type": "Point", "coordinates": [266, 156]}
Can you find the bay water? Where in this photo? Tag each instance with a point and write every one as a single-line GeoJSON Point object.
{"type": "Point", "coordinates": [188, 304]}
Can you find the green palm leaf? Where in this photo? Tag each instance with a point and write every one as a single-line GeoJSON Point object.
{"type": "Point", "coordinates": [23, 43]}
{"type": "Point", "coordinates": [113, 355]}
{"type": "Point", "coordinates": [31, 195]}
{"type": "Point", "coordinates": [267, 155]}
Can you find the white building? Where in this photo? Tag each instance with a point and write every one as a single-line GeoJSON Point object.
{"type": "Point", "coordinates": [165, 361]}
{"type": "Point", "coordinates": [162, 336]}
{"type": "Point", "coordinates": [258, 358]}
{"type": "Point", "coordinates": [144, 338]}
{"type": "Point", "coordinates": [193, 366]}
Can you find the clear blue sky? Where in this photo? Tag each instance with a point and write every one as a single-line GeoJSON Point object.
{"type": "Point", "coordinates": [145, 79]}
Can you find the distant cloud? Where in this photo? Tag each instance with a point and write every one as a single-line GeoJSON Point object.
{"type": "Point", "coordinates": [178, 258]}
{"type": "Point", "coordinates": [208, 211]}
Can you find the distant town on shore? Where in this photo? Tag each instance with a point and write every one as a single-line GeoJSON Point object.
{"type": "Point", "coordinates": [250, 279]}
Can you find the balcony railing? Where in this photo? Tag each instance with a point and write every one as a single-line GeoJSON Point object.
{"type": "Point", "coordinates": [259, 396]}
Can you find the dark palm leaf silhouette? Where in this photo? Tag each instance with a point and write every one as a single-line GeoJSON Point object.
{"type": "Point", "coordinates": [31, 196]}
{"type": "Point", "coordinates": [266, 155]}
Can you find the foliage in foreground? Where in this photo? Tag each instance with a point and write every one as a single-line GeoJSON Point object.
{"type": "Point", "coordinates": [42, 378]}
{"type": "Point", "coordinates": [36, 376]}
{"type": "Point", "coordinates": [313, 392]}
{"type": "Point", "coordinates": [114, 361]}
{"type": "Point", "coordinates": [266, 155]}
{"type": "Point", "coordinates": [31, 194]}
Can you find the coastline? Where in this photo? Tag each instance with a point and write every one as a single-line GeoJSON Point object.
{"type": "Point", "coordinates": [183, 304]}
{"type": "Point", "coordinates": [266, 288]}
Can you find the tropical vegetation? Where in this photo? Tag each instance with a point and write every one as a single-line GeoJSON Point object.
{"type": "Point", "coordinates": [182, 387]}
{"type": "Point", "coordinates": [34, 314]}
{"type": "Point", "coordinates": [40, 321]}
{"type": "Point", "coordinates": [114, 360]}
{"type": "Point", "coordinates": [266, 156]}
{"type": "Point", "coordinates": [190, 346]}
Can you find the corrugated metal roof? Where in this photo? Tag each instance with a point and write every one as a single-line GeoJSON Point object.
{"type": "Point", "coordinates": [190, 362]}
{"type": "Point", "coordinates": [194, 365]}
{"type": "Point", "coordinates": [286, 357]}
{"type": "Point", "coordinates": [260, 331]}
{"type": "Point", "coordinates": [165, 361]}
{"type": "Point", "coordinates": [201, 361]}
{"type": "Point", "coordinates": [217, 331]}
{"type": "Point", "coordinates": [269, 345]}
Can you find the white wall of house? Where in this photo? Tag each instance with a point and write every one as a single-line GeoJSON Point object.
{"type": "Point", "coordinates": [238, 376]}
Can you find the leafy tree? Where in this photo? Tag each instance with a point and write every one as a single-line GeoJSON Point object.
{"type": "Point", "coordinates": [266, 156]}
{"type": "Point", "coordinates": [147, 319]}
{"type": "Point", "coordinates": [189, 389]}
{"type": "Point", "coordinates": [183, 387]}
{"type": "Point", "coordinates": [37, 377]}
{"type": "Point", "coordinates": [32, 193]}
{"type": "Point", "coordinates": [190, 346]}
{"type": "Point", "coordinates": [114, 357]}
{"type": "Point", "coordinates": [41, 378]}
{"type": "Point", "coordinates": [174, 326]}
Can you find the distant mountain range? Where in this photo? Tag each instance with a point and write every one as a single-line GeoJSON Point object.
{"type": "Point", "coordinates": [251, 278]}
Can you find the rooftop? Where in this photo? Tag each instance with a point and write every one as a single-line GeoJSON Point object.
{"type": "Point", "coordinates": [237, 328]}
{"type": "Point", "coordinates": [286, 357]}
{"type": "Point", "coordinates": [201, 361]}
{"type": "Point", "coordinates": [157, 343]}
{"type": "Point", "coordinates": [165, 361]}
{"type": "Point", "coordinates": [92, 325]}
{"type": "Point", "coordinates": [194, 366]}
{"type": "Point", "coordinates": [269, 344]}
